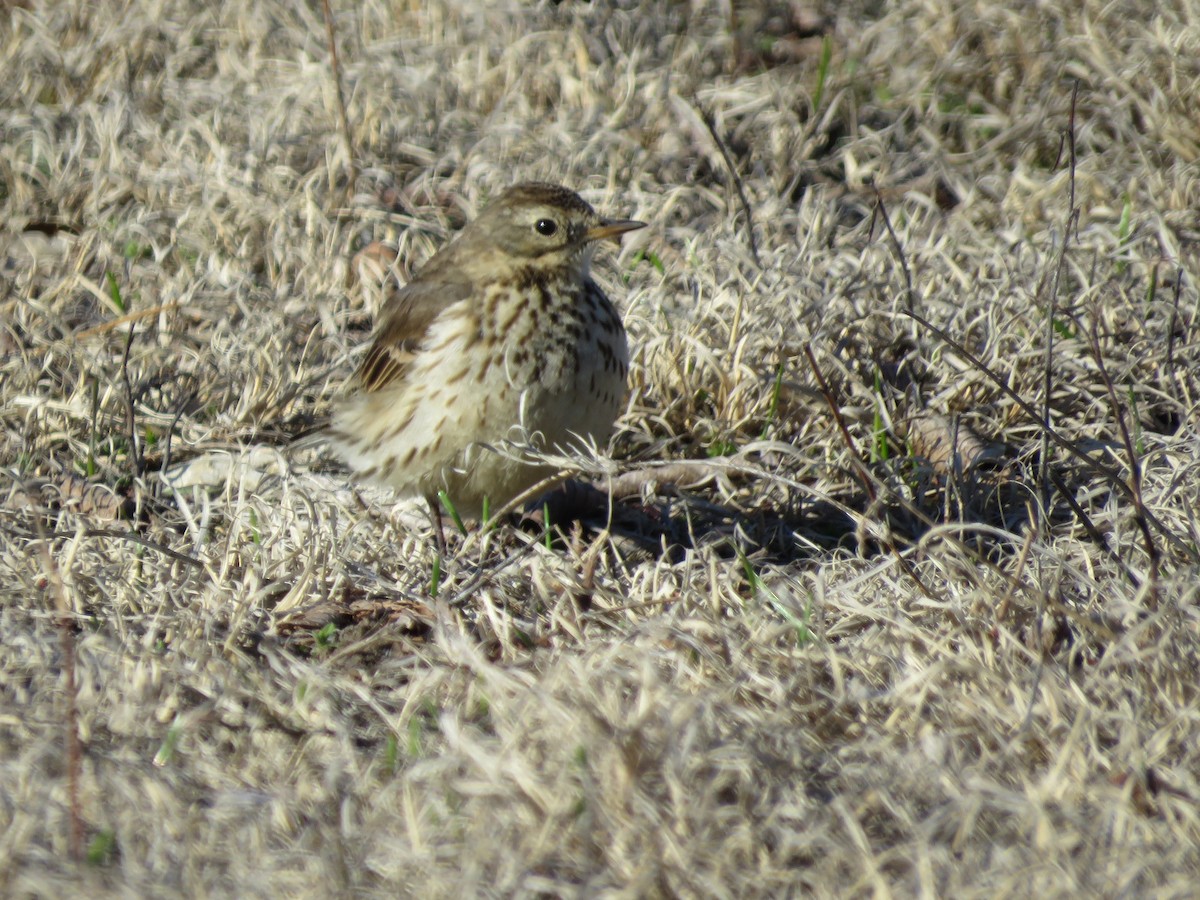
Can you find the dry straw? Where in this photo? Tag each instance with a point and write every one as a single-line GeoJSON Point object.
{"type": "Point", "coordinates": [896, 591]}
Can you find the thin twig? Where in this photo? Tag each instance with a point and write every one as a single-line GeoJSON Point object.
{"type": "Point", "coordinates": [135, 538]}
{"type": "Point", "coordinates": [711, 125]}
{"type": "Point", "coordinates": [1052, 310]}
{"type": "Point", "coordinates": [135, 446]}
{"type": "Point", "coordinates": [687, 473]}
{"type": "Point", "coordinates": [1135, 468]}
{"type": "Point", "coordinates": [111, 324]}
{"type": "Point", "coordinates": [1092, 531]}
{"type": "Point", "coordinates": [859, 469]}
{"type": "Point", "coordinates": [66, 636]}
{"type": "Point", "coordinates": [864, 475]}
{"type": "Point", "coordinates": [167, 445]}
{"type": "Point", "coordinates": [900, 255]}
{"type": "Point", "coordinates": [343, 119]}
{"type": "Point", "coordinates": [1171, 332]}
{"type": "Point", "coordinates": [131, 536]}
{"type": "Point", "coordinates": [135, 316]}
{"type": "Point", "coordinates": [1111, 475]}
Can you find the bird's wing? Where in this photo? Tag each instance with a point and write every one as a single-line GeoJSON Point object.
{"type": "Point", "coordinates": [403, 324]}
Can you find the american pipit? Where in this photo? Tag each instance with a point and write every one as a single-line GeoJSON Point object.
{"type": "Point", "coordinates": [501, 342]}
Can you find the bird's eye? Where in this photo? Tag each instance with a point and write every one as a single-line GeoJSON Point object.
{"type": "Point", "coordinates": [546, 227]}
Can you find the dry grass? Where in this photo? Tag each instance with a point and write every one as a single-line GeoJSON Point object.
{"type": "Point", "coordinates": [797, 676]}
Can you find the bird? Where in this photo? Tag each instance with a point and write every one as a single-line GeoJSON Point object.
{"type": "Point", "coordinates": [501, 343]}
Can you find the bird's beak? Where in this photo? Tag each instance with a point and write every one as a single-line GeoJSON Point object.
{"type": "Point", "coordinates": [611, 228]}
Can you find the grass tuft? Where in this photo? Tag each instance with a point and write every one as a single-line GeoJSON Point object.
{"type": "Point", "coordinates": [903, 492]}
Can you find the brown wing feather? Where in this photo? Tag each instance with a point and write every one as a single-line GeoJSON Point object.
{"type": "Point", "coordinates": [403, 323]}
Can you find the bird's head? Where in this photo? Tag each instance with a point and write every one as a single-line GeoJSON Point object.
{"type": "Point", "coordinates": [546, 226]}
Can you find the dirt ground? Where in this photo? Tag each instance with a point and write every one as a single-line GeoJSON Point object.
{"type": "Point", "coordinates": [896, 592]}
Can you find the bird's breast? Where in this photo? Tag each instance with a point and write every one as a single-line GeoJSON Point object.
{"type": "Point", "coordinates": [554, 332]}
